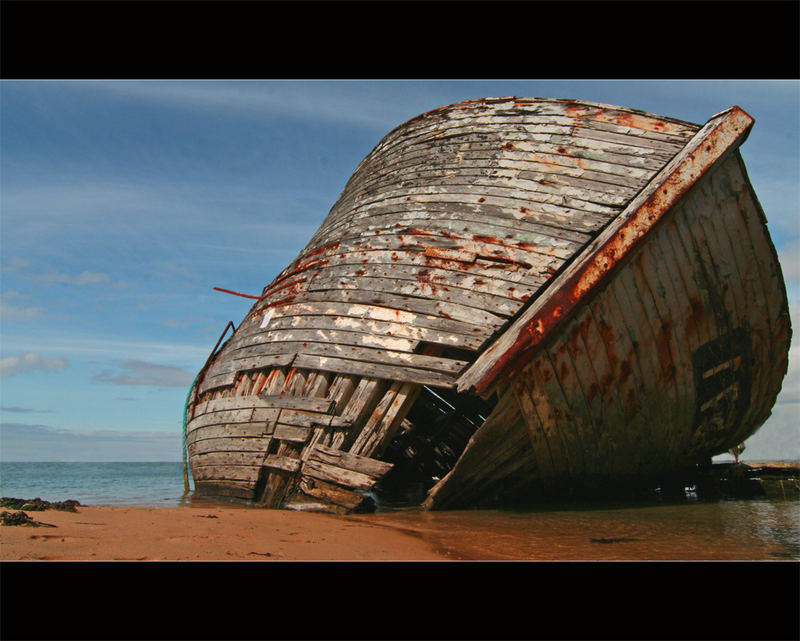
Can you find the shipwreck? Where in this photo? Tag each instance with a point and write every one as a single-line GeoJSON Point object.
{"type": "Point", "coordinates": [511, 297]}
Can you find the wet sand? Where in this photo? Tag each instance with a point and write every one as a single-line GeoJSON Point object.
{"type": "Point", "coordinates": [215, 533]}
{"type": "Point", "coordinates": [208, 531]}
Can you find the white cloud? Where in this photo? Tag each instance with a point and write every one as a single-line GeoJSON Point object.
{"type": "Point", "coordinates": [23, 442]}
{"type": "Point", "coordinates": [15, 264]}
{"type": "Point", "coordinates": [84, 278]}
{"type": "Point", "coordinates": [27, 362]}
{"type": "Point", "coordinates": [114, 348]}
{"type": "Point", "coordinates": [360, 104]}
{"type": "Point", "coordinates": [13, 313]}
{"type": "Point", "coordinates": [22, 312]}
{"type": "Point", "coordinates": [148, 374]}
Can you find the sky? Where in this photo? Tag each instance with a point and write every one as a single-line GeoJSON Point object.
{"type": "Point", "coordinates": [124, 203]}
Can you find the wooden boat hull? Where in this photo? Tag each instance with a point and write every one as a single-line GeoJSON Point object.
{"type": "Point", "coordinates": [509, 296]}
{"type": "Point", "coordinates": [678, 358]}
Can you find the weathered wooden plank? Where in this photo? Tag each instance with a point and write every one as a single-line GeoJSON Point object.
{"type": "Point", "coordinates": [611, 377]}
{"type": "Point", "coordinates": [476, 161]}
{"type": "Point", "coordinates": [334, 474]}
{"type": "Point", "coordinates": [284, 463]}
{"type": "Point", "coordinates": [228, 458]}
{"type": "Point", "coordinates": [362, 354]}
{"type": "Point", "coordinates": [769, 334]}
{"type": "Point", "coordinates": [670, 306]}
{"type": "Point", "coordinates": [413, 304]}
{"type": "Point", "coordinates": [379, 314]}
{"type": "Point", "coordinates": [529, 182]}
{"type": "Point", "coordinates": [438, 246]}
{"type": "Point", "coordinates": [211, 381]}
{"type": "Point", "coordinates": [565, 393]}
{"type": "Point", "coordinates": [461, 230]}
{"type": "Point", "coordinates": [536, 430]}
{"type": "Point", "coordinates": [363, 400]}
{"type": "Point", "coordinates": [517, 115]}
{"type": "Point", "coordinates": [225, 378]}
{"type": "Point", "coordinates": [586, 395]}
{"type": "Point", "coordinates": [514, 113]}
{"type": "Point", "coordinates": [227, 488]}
{"type": "Point", "coordinates": [202, 472]}
{"type": "Point", "coordinates": [561, 443]}
{"type": "Point", "coordinates": [295, 380]}
{"type": "Point", "coordinates": [424, 287]}
{"type": "Point", "coordinates": [311, 419]}
{"type": "Point", "coordinates": [656, 401]}
{"type": "Point", "coordinates": [657, 331]}
{"type": "Point", "coordinates": [203, 424]}
{"type": "Point", "coordinates": [517, 151]}
{"type": "Point", "coordinates": [340, 393]}
{"type": "Point", "coordinates": [291, 433]}
{"type": "Point", "coordinates": [230, 430]}
{"type": "Point", "coordinates": [543, 204]}
{"type": "Point", "coordinates": [529, 110]}
{"type": "Point", "coordinates": [336, 336]}
{"type": "Point", "coordinates": [229, 444]}
{"type": "Point", "coordinates": [463, 218]}
{"type": "Point", "coordinates": [488, 282]}
{"type": "Point", "coordinates": [232, 403]}
{"type": "Point", "coordinates": [349, 461]}
{"type": "Point", "coordinates": [330, 493]}
{"type": "Point", "coordinates": [373, 370]}
{"type": "Point", "coordinates": [461, 196]}
{"type": "Point", "coordinates": [411, 332]}
{"type": "Point", "coordinates": [275, 380]}
{"type": "Point", "coordinates": [633, 151]}
{"type": "Point", "coordinates": [303, 403]}
{"type": "Point", "coordinates": [220, 417]}
{"type": "Point", "coordinates": [492, 125]}
{"type": "Point", "coordinates": [624, 345]}
{"type": "Point", "coordinates": [384, 421]}
{"type": "Point", "coordinates": [602, 169]}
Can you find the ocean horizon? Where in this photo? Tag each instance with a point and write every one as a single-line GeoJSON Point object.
{"type": "Point", "coordinates": [113, 483]}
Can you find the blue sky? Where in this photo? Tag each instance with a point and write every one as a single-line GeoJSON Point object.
{"type": "Point", "coordinates": [124, 203]}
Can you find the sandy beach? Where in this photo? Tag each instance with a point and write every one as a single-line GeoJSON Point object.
{"type": "Point", "coordinates": [208, 533]}
{"type": "Point", "coordinates": [322, 576]}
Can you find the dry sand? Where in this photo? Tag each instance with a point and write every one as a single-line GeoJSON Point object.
{"type": "Point", "coordinates": [215, 533]}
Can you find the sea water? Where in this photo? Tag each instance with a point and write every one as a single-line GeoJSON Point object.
{"type": "Point", "coordinates": [129, 483]}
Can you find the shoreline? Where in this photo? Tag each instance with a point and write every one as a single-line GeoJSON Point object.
{"type": "Point", "coordinates": [208, 530]}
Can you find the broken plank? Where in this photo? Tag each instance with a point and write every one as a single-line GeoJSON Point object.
{"type": "Point", "coordinates": [334, 474]}
{"type": "Point", "coordinates": [363, 464]}
{"type": "Point", "coordinates": [329, 492]}
{"type": "Point", "coordinates": [282, 463]}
